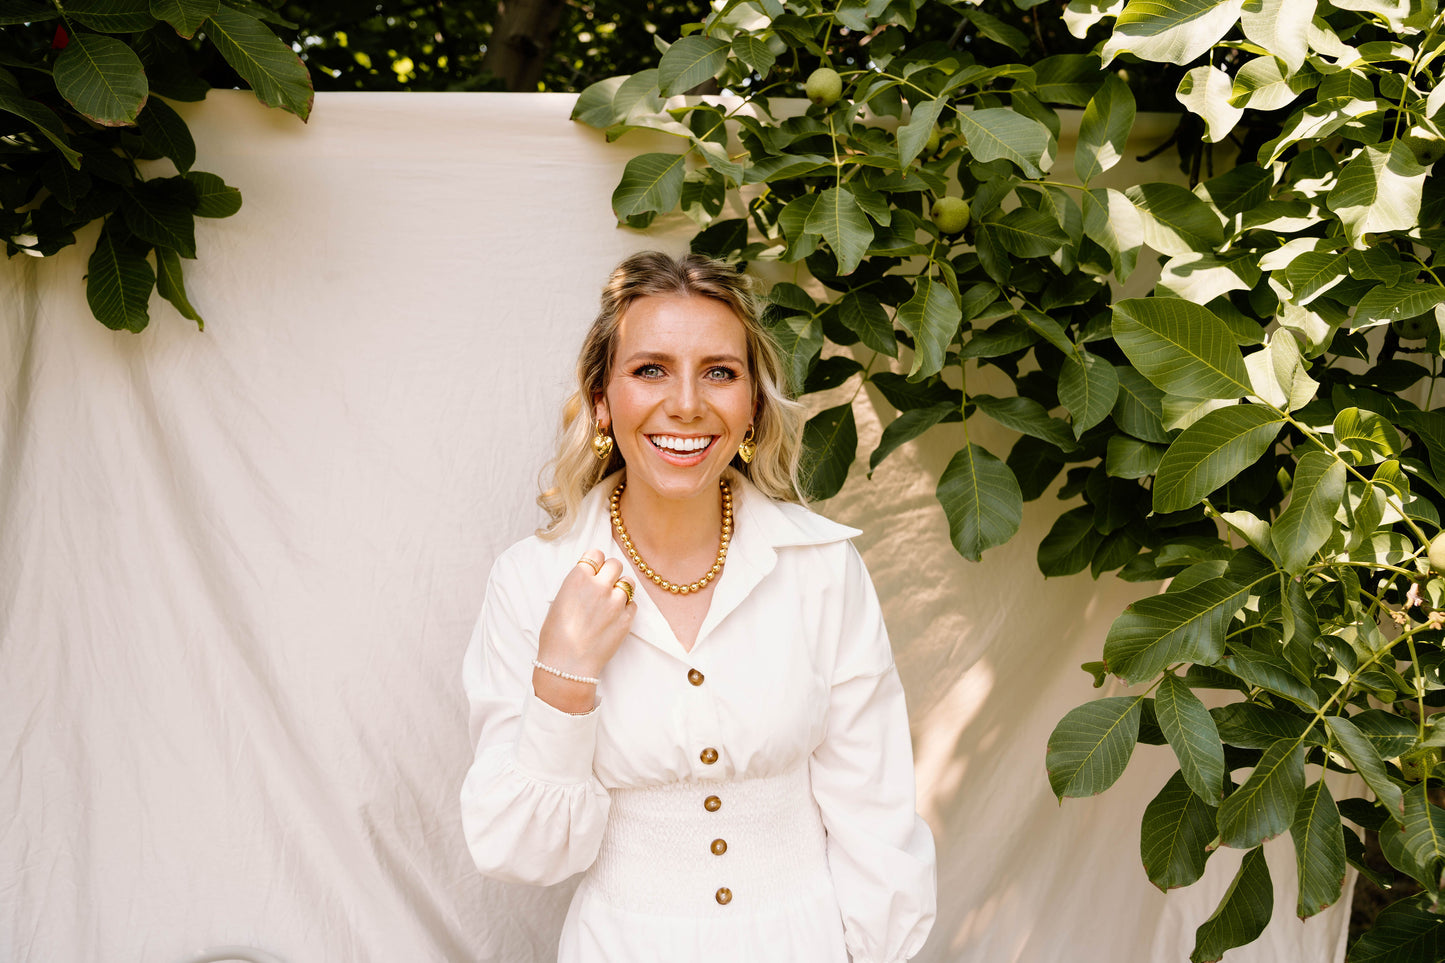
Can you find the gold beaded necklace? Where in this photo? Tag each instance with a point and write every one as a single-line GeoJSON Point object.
{"type": "Point", "coordinates": [645, 569]}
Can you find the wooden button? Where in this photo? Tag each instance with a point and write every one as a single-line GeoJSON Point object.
{"type": "Point", "coordinates": [712, 804]}
{"type": "Point", "coordinates": [719, 846]}
{"type": "Point", "coordinates": [724, 895]}
{"type": "Point", "coordinates": [694, 676]}
{"type": "Point", "coordinates": [708, 756]}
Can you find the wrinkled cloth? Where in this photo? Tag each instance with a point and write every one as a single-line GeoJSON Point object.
{"type": "Point", "coordinates": [797, 688]}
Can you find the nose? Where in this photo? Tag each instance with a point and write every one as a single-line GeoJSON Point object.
{"type": "Point", "coordinates": [685, 401]}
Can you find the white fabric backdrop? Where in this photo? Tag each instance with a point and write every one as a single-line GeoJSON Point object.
{"type": "Point", "coordinates": [238, 570]}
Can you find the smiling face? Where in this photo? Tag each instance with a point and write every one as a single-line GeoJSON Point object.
{"type": "Point", "coordinates": [680, 397]}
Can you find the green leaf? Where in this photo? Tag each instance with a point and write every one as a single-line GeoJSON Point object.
{"type": "Point", "coordinates": [1242, 914]}
{"type": "Point", "coordinates": [1192, 735]}
{"type": "Point", "coordinates": [1175, 220]}
{"type": "Point", "coordinates": [1261, 83]}
{"type": "Point", "coordinates": [1367, 763]}
{"type": "Point", "coordinates": [112, 16]}
{"type": "Point", "coordinates": [1206, 91]}
{"type": "Point", "coordinates": [156, 211]}
{"type": "Point", "coordinates": [906, 427]}
{"type": "Point", "coordinates": [1264, 806]}
{"type": "Point", "coordinates": [755, 53]}
{"type": "Point", "coordinates": [594, 105]}
{"type": "Point", "coordinates": [1128, 457]}
{"type": "Point", "coordinates": [840, 220]}
{"type": "Point", "coordinates": [12, 101]}
{"type": "Point", "coordinates": [830, 443]}
{"type": "Point", "coordinates": [1066, 79]}
{"type": "Point", "coordinates": [689, 62]}
{"type": "Point", "coordinates": [1378, 190]}
{"type": "Point", "coordinates": [1383, 304]}
{"type": "Point", "coordinates": [1029, 233]}
{"type": "Point", "coordinates": [865, 316]}
{"type": "Point", "coordinates": [650, 182]}
{"type": "Point", "coordinates": [1139, 407]}
{"type": "Point", "coordinates": [1175, 834]}
{"type": "Point", "coordinates": [213, 197]}
{"type": "Point", "coordinates": [932, 316]}
{"type": "Point", "coordinates": [119, 282]}
{"type": "Point", "coordinates": [102, 78]}
{"type": "Point", "coordinates": [1406, 931]}
{"type": "Point", "coordinates": [1249, 725]}
{"type": "Point", "coordinates": [800, 338]}
{"type": "Point", "coordinates": [1104, 129]}
{"type": "Point", "coordinates": [995, 133]}
{"type": "Point", "coordinates": [1365, 437]}
{"type": "Point", "coordinates": [186, 16]}
{"type": "Point", "coordinates": [1088, 386]}
{"type": "Point", "coordinates": [982, 500]}
{"type": "Point", "coordinates": [1027, 417]}
{"type": "Point", "coordinates": [1271, 673]}
{"type": "Point", "coordinates": [1391, 735]}
{"type": "Point", "coordinates": [172, 286]}
{"type": "Point", "coordinates": [1172, 31]}
{"type": "Point", "coordinates": [1091, 745]}
{"type": "Point", "coordinates": [1182, 347]}
{"type": "Point", "coordinates": [1304, 526]}
{"type": "Point", "coordinates": [1281, 27]}
{"type": "Point", "coordinates": [1070, 545]}
{"type": "Point", "coordinates": [1157, 632]}
{"type": "Point", "coordinates": [1424, 829]}
{"type": "Point", "coordinates": [1212, 451]}
{"type": "Point", "coordinates": [913, 135]}
{"type": "Point", "coordinates": [1113, 222]}
{"type": "Point", "coordinates": [166, 134]}
{"type": "Point", "coordinates": [274, 71]}
{"type": "Point", "coordinates": [1319, 847]}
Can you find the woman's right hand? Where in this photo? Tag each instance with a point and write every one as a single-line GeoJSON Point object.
{"type": "Point", "coordinates": [584, 627]}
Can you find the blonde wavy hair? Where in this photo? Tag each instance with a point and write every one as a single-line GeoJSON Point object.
{"type": "Point", "coordinates": [777, 425]}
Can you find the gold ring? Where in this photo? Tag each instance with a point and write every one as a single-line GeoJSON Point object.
{"type": "Point", "coordinates": [594, 566]}
{"type": "Point", "coordinates": [626, 587]}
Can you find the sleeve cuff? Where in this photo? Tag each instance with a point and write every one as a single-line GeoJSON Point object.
{"type": "Point", "coordinates": [555, 746]}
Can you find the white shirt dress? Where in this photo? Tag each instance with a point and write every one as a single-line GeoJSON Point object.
{"type": "Point", "coordinates": [748, 801]}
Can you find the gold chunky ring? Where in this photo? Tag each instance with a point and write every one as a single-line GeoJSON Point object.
{"type": "Point", "coordinates": [594, 566]}
{"type": "Point", "coordinates": [626, 587]}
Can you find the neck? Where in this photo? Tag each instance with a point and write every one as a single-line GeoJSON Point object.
{"type": "Point", "coordinates": [672, 528]}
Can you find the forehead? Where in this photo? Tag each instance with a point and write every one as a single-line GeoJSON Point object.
{"type": "Point", "coordinates": [681, 326]}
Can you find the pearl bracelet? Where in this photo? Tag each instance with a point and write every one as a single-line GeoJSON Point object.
{"type": "Point", "coordinates": [565, 675]}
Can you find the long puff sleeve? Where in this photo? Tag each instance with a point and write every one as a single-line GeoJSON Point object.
{"type": "Point", "coordinates": [880, 851]}
{"type": "Point", "coordinates": [532, 810]}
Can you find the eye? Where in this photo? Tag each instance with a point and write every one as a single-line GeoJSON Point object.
{"type": "Point", "coordinates": [720, 373]}
{"type": "Point", "coordinates": [648, 371]}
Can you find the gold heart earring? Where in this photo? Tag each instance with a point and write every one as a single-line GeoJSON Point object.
{"type": "Point", "coordinates": [748, 448]}
{"type": "Point", "coordinates": [601, 444]}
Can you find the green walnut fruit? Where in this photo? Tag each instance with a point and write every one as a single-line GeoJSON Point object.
{"type": "Point", "coordinates": [950, 214]}
{"type": "Point", "coordinates": [1437, 553]}
{"type": "Point", "coordinates": [935, 137]}
{"type": "Point", "coordinates": [1427, 146]}
{"type": "Point", "coordinates": [824, 87]}
{"type": "Point", "coordinates": [1413, 329]}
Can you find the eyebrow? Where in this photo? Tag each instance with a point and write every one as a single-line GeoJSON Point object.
{"type": "Point", "coordinates": [659, 356]}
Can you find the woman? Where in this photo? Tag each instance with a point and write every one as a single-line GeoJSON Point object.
{"type": "Point", "coordinates": [682, 685]}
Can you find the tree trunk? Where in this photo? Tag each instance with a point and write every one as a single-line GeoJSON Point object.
{"type": "Point", "coordinates": [521, 39]}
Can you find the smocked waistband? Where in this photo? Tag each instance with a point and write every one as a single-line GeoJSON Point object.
{"type": "Point", "coordinates": [712, 848]}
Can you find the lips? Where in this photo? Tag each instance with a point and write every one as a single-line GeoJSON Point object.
{"type": "Point", "coordinates": [682, 449]}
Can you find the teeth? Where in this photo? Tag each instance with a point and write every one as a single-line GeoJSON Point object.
{"type": "Point", "coordinates": [673, 443]}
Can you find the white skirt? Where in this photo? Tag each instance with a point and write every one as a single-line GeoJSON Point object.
{"type": "Point", "coordinates": [731, 871]}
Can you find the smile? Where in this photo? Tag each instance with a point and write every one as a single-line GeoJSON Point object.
{"type": "Point", "coordinates": [682, 445]}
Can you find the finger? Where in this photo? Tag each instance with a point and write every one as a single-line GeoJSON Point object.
{"type": "Point", "coordinates": [591, 560]}
{"type": "Point", "coordinates": [611, 571]}
{"type": "Point", "coordinates": [625, 587]}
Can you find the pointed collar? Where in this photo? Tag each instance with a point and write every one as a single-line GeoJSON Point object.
{"type": "Point", "coordinates": [761, 526]}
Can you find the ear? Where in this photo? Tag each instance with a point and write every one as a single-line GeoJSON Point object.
{"type": "Point", "coordinates": [601, 417]}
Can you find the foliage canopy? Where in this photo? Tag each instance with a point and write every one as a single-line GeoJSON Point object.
{"type": "Point", "coordinates": [1258, 429]}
